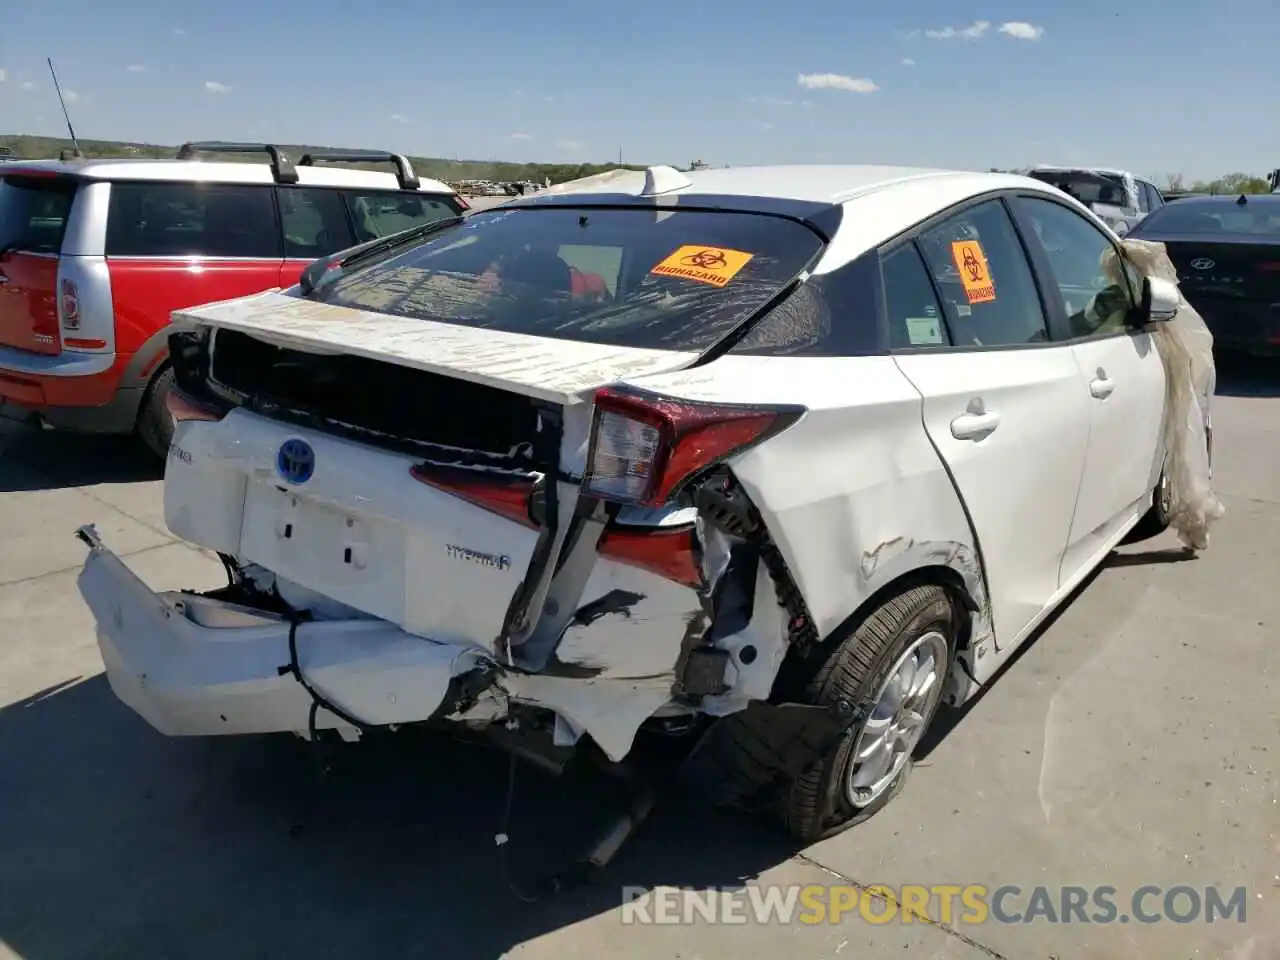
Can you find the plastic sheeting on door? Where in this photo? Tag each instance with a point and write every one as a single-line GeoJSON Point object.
{"type": "Point", "coordinates": [1186, 349]}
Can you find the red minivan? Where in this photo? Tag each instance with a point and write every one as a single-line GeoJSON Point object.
{"type": "Point", "coordinates": [96, 254]}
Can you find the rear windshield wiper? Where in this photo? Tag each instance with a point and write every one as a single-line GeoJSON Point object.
{"type": "Point", "coordinates": [354, 256]}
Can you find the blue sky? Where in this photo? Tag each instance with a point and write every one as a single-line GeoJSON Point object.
{"type": "Point", "coordinates": [1156, 87]}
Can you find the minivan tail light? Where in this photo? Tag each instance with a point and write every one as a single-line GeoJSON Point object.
{"type": "Point", "coordinates": [645, 446]}
{"type": "Point", "coordinates": [69, 305]}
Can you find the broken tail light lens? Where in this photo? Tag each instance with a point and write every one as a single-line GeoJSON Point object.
{"type": "Point", "coordinates": [643, 447]}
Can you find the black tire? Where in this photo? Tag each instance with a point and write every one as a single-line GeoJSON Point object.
{"type": "Point", "coordinates": [817, 804]}
{"type": "Point", "coordinates": [155, 423]}
{"type": "Point", "coordinates": [1156, 520]}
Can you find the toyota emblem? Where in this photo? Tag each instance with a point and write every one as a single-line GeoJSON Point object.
{"type": "Point", "coordinates": [295, 461]}
{"type": "Point", "coordinates": [1202, 263]}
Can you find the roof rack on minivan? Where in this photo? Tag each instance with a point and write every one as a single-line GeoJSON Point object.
{"type": "Point", "coordinates": [282, 168]}
{"type": "Point", "coordinates": [404, 170]}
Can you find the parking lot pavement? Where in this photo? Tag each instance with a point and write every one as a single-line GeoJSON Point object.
{"type": "Point", "coordinates": [1134, 743]}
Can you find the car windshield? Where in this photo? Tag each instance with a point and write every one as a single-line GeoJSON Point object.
{"type": "Point", "coordinates": [1208, 217]}
{"type": "Point", "coordinates": [1086, 187]}
{"type": "Point", "coordinates": [652, 277]}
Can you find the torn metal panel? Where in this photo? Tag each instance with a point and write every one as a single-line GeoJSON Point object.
{"type": "Point", "coordinates": [556, 370]}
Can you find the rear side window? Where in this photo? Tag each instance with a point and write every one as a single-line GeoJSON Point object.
{"type": "Point", "coordinates": [680, 280]}
{"type": "Point", "coordinates": [915, 319]}
{"type": "Point", "coordinates": [34, 212]}
{"type": "Point", "coordinates": [192, 220]}
{"type": "Point", "coordinates": [377, 215]}
{"type": "Point", "coordinates": [314, 222]}
{"type": "Point", "coordinates": [980, 269]}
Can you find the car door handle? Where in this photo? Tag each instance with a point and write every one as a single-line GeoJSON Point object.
{"type": "Point", "coordinates": [974, 426]}
{"type": "Point", "coordinates": [1101, 387]}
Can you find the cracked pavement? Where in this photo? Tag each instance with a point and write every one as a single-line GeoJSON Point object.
{"type": "Point", "coordinates": [1136, 741]}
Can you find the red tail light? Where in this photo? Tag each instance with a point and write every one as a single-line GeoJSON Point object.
{"type": "Point", "coordinates": [643, 447]}
{"type": "Point", "coordinates": [183, 407]}
{"type": "Point", "coordinates": [463, 203]}
{"type": "Point", "coordinates": [509, 497]}
{"type": "Point", "coordinates": [668, 553]}
{"type": "Point", "coordinates": [69, 305]}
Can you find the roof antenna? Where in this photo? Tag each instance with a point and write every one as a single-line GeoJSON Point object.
{"type": "Point", "coordinates": [75, 144]}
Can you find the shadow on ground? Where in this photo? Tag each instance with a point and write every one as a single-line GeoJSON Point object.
{"type": "Point", "coordinates": [120, 843]}
{"type": "Point", "coordinates": [36, 459]}
{"type": "Point", "coordinates": [1243, 376]}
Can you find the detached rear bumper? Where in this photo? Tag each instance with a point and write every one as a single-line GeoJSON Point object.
{"type": "Point", "coordinates": [194, 667]}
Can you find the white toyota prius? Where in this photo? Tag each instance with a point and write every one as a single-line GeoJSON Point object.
{"type": "Point", "coordinates": [780, 460]}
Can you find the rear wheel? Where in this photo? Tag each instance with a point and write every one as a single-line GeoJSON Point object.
{"type": "Point", "coordinates": [155, 423]}
{"type": "Point", "coordinates": [894, 666]}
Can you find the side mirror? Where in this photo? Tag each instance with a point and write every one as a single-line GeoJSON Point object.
{"type": "Point", "coordinates": [1160, 301]}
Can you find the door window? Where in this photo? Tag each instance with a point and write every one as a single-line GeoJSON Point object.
{"type": "Point", "coordinates": [192, 220]}
{"type": "Point", "coordinates": [915, 319]}
{"type": "Point", "coordinates": [381, 214]}
{"type": "Point", "coordinates": [989, 294]}
{"type": "Point", "coordinates": [314, 222]}
{"type": "Point", "coordinates": [1090, 276]}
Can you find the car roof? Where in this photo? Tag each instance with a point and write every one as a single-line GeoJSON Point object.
{"type": "Point", "coordinates": [874, 203]}
{"type": "Point", "coordinates": [216, 171]}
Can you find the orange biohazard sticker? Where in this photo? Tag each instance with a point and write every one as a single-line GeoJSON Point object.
{"type": "Point", "coordinates": [715, 266]}
{"type": "Point", "coordinates": [974, 272]}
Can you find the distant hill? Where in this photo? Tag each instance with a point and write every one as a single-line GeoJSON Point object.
{"type": "Point", "coordinates": [24, 147]}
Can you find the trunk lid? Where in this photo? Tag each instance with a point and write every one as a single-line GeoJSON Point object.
{"type": "Point", "coordinates": [563, 372]}
{"type": "Point", "coordinates": [34, 209]}
{"type": "Point", "coordinates": [1244, 269]}
{"type": "Point", "coordinates": [421, 472]}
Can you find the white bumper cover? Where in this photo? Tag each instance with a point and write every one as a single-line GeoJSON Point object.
{"type": "Point", "coordinates": [194, 667]}
{"type": "Point", "coordinates": [189, 679]}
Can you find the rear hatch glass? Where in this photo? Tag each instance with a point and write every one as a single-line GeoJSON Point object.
{"type": "Point", "coordinates": [1088, 188]}
{"type": "Point", "coordinates": [1222, 250]}
{"type": "Point", "coordinates": [648, 278]}
{"type": "Point", "coordinates": [33, 219]}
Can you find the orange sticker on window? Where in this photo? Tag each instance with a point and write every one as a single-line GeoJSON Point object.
{"type": "Point", "coordinates": [974, 272]}
{"type": "Point", "coordinates": [715, 266]}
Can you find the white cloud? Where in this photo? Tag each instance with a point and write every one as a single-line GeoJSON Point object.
{"type": "Point", "coordinates": [836, 81]}
{"type": "Point", "coordinates": [518, 93]}
{"type": "Point", "coordinates": [521, 136]}
{"type": "Point", "coordinates": [907, 34]}
{"type": "Point", "coordinates": [30, 87]}
{"type": "Point", "coordinates": [179, 32]}
{"type": "Point", "coordinates": [1021, 30]}
{"type": "Point", "coordinates": [399, 118]}
{"type": "Point", "coordinates": [571, 144]}
{"type": "Point", "coordinates": [136, 68]}
{"type": "Point", "coordinates": [213, 86]}
{"type": "Point", "coordinates": [70, 96]}
{"type": "Point", "coordinates": [766, 126]}
{"type": "Point", "coordinates": [973, 31]}
{"type": "Point", "coordinates": [908, 62]}
{"type": "Point", "coordinates": [3, 75]}
{"type": "Point", "coordinates": [773, 101]}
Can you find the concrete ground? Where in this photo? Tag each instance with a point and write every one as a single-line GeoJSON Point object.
{"type": "Point", "coordinates": [1135, 742]}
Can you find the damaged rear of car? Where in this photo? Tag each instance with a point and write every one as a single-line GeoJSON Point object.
{"type": "Point", "coordinates": [443, 493]}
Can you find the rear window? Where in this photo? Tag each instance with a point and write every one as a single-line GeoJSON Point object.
{"type": "Point", "coordinates": [1088, 188]}
{"type": "Point", "coordinates": [664, 279]}
{"type": "Point", "coordinates": [1214, 216]}
{"type": "Point", "coordinates": [192, 220]}
{"type": "Point", "coordinates": [34, 211]}
{"type": "Point", "coordinates": [377, 215]}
